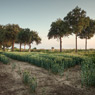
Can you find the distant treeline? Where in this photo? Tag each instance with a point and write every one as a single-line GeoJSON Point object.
{"type": "Point", "coordinates": [12, 33]}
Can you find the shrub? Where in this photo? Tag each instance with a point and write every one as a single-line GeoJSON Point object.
{"type": "Point", "coordinates": [26, 77]}
{"type": "Point", "coordinates": [88, 72]}
{"type": "Point", "coordinates": [30, 81]}
{"type": "Point", "coordinates": [4, 59]}
{"type": "Point", "coordinates": [33, 84]}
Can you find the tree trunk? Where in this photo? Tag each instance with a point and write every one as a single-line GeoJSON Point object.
{"type": "Point", "coordinates": [20, 47]}
{"type": "Point", "coordinates": [3, 48]}
{"type": "Point", "coordinates": [24, 46]}
{"type": "Point", "coordinates": [0, 46]}
{"type": "Point", "coordinates": [29, 47]}
{"type": "Point", "coordinates": [13, 45]}
{"type": "Point", "coordinates": [76, 43]}
{"type": "Point", "coordinates": [60, 44]}
{"type": "Point", "coordinates": [86, 44]}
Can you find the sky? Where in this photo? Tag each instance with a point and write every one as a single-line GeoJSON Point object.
{"type": "Point", "coordinates": [39, 14]}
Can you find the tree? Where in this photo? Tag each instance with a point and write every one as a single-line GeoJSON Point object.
{"type": "Point", "coordinates": [27, 37]}
{"type": "Point", "coordinates": [1, 37]}
{"type": "Point", "coordinates": [59, 29]}
{"type": "Point", "coordinates": [77, 20]}
{"type": "Point", "coordinates": [88, 32]}
{"type": "Point", "coordinates": [33, 37]}
{"type": "Point", "coordinates": [4, 37]}
{"type": "Point", "coordinates": [13, 30]}
{"type": "Point", "coordinates": [20, 37]}
{"type": "Point", "coordinates": [23, 37]}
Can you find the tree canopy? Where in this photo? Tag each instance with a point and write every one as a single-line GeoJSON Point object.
{"type": "Point", "coordinates": [77, 20]}
{"type": "Point", "coordinates": [58, 29]}
{"type": "Point", "coordinates": [33, 37]}
{"type": "Point", "coordinates": [13, 31]}
{"type": "Point", "coordinates": [88, 32]}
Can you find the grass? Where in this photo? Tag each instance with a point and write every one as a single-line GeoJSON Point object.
{"type": "Point", "coordinates": [30, 81]}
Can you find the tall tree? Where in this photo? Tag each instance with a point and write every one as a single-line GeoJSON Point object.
{"type": "Point", "coordinates": [20, 37]}
{"type": "Point", "coordinates": [4, 37]}
{"type": "Point", "coordinates": [33, 37]}
{"type": "Point", "coordinates": [13, 30]}
{"type": "Point", "coordinates": [59, 29]}
{"type": "Point", "coordinates": [88, 32]}
{"type": "Point", "coordinates": [27, 37]}
{"type": "Point", "coordinates": [77, 20]}
{"type": "Point", "coordinates": [23, 37]}
{"type": "Point", "coordinates": [1, 35]}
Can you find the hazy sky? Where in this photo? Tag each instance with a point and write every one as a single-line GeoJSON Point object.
{"type": "Point", "coordinates": [39, 14]}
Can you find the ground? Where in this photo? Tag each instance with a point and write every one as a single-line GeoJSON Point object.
{"type": "Point", "coordinates": [47, 83]}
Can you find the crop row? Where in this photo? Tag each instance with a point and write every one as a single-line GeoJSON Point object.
{"type": "Point", "coordinates": [4, 59]}
{"type": "Point", "coordinates": [88, 72]}
{"type": "Point", "coordinates": [54, 63]}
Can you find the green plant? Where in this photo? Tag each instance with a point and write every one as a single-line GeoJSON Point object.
{"type": "Point", "coordinates": [26, 77]}
{"type": "Point", "coordinates": [13, 66]}
{"type": "Point", "coordinates": [19, 70]}
{"type": "Point", "coordinates": [33, 84]}
{"type": "Point", "coordinates": [30, 81]}
{"type": "Point", "coordinates": [88, 73]}
{"type": "Point", "coordinates": [4, 59]}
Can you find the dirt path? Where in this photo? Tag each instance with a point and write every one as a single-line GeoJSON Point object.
{"type": "Point", "coordinates": [47, 83]}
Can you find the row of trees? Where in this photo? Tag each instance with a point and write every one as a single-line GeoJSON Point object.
{"type": "Point", "coordinates": [76, 22]}
{"type": "Point", "coordinates": [12, 33]}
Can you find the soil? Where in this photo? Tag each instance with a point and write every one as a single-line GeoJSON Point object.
{"type": "Point", "coordinates": [47, 83]}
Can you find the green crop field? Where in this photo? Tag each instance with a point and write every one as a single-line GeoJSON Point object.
{"type": "Point", "coordinates": [58, 62]}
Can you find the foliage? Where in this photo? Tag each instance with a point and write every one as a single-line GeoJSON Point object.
{"type": "Point", "coordinates": [13, 66]}
{"type": "Point", "coordinates": [4, 37]}
{"type": "Point", "coordinates": [30, 81]}
{"type": "Point", "coordinates": [58, 62]}
{"type": "Point", "coordinates": [12, 33]}
{"type": "Point", "coordinates": [33, 84]}
{"type": "Point", "coordinates": [13, 30]}
{"type": "Point", "coordinates": [89, 31]}
{"type": "Point", "coordinates": [59, 29]}
{"type": "Point", "coordinates": [77, 20]}
{"type": "Point", "coordinates": [4, 59]}
{"type": "Point", "coordinates": [33, 37]}
{"type": "Point", "coordinates": [26, 77]}
{"type": "Point", "coordinates": [53, 62]}
{"type": "Point", "coordinates": [88, 72]}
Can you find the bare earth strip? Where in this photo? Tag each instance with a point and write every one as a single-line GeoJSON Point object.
{"type": "Point", "coordinates": [48, 83]}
